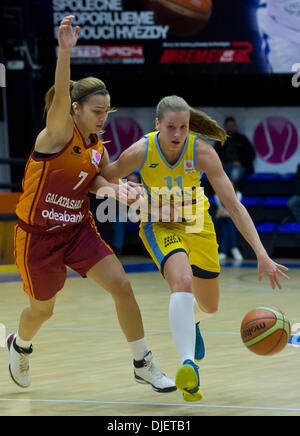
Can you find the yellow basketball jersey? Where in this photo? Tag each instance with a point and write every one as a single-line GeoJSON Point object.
{"type": "Point", "coordinates": [178, 183]}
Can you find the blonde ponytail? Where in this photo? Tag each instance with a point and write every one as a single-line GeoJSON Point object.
{"type": "Point", "coordinates": [205, 126]}
{"type": "Point", "coordinates": [200, 123]}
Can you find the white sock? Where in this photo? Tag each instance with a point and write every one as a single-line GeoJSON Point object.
{"type": "Point", "coordinates": [200, 315]}
{"type": "Point", "coordinates": [138, 348]}
{"type": "Point", "coordinates": [21, 343]}
{"type": "Point", "coordinates": [182, 323]}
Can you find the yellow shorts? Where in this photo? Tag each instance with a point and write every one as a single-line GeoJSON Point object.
{"type": "Point", "coordinates": [164, 239]}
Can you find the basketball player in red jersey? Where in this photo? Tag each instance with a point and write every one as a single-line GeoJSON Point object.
{"type": "Point", "coordinates": [55, 227]}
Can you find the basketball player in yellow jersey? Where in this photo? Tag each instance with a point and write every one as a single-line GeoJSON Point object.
{"type": "Point", "coordinates": [187, 254]}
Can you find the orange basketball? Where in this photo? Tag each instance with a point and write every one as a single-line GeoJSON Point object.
{"type": "Point", "coordinates": [265, 330]}
{"type": "Point", "coordinates": [184, 17]}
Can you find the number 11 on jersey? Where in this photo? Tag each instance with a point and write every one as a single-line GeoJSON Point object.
{"type": "Point", "coordinates": [169, 181]}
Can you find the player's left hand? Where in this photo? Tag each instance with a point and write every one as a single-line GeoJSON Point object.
{"type": "Point", "coordinates": [129, 192]}
{"type": "Point", "coordinates": [273, 270]}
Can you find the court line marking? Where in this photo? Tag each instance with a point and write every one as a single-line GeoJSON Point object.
{"type": "Point", "coordinates": [104, 330]}
{"type": "Point", "coordinates": [135, 403]}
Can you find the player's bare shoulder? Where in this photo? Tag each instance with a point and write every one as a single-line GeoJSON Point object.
{"type": "Point", "coordinates": [205, 155]}
{"type": "Point", "coordinates": [139, 146]}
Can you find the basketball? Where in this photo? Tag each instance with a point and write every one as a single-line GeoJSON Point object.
{"type": "Point", "coordinates": [184, 17]}
{"type": "Point", "coordinates": [265, 330]}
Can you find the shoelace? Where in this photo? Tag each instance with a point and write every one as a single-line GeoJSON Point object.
{"type": "Point", "coordinates": [152, 369]}
{"type": "Point", "coordinates": [24, 363]}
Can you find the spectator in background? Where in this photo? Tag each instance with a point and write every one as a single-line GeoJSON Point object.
{"type": "Point", "coordinates": [294, 201]}
{"type": "Point", "coordinates": [227, 231]}
{"type": "Point", "coordinates": [237, 154]}
{"type": "Point", "coordinates": [124, 220]}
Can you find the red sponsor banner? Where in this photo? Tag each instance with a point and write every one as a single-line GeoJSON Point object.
{"type": "Point", "coordinates": [107, 51]}
{"type": "Point", "coordinates": [238, 52]}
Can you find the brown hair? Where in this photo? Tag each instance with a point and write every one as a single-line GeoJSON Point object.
{"type": "Point", "coordinates": [80, 91]}
{"type": "Point", "coordinates": [200, 122]}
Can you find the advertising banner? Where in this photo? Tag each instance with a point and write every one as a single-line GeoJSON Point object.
{"type": "Point", "coordinates": [273, 132]}
{"type": "Point", "coordinates": [184, 37]}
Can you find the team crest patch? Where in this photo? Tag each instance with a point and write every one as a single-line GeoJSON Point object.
{"type": "Point", "coordinates": [188, 166]}
{"type": "Point", "coordinates": [96, 157]}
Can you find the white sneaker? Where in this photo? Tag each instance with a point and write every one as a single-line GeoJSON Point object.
{"type": "Point", "coordinates": [222, 256]}
{"type": "Point", "coordinates": [19, 362]}
{"type": "Point", "coordinates": [236, 254]}
{"type": "Point", "coordinates": [145, 372]}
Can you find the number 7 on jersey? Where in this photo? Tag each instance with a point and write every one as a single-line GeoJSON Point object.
{"type": "Point", "coordinates": [82, 175]}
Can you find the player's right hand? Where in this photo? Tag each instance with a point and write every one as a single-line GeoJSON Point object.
{"type": "Point", "coordinates": [66, 37]}
{"type": "Point", "coordinates": [272, 269]}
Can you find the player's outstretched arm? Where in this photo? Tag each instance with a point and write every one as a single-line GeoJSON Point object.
{"type": "Point", "coordinates": [209, 162]}
{"type": "Point", "coordinates": [131, 159]}
{"type": "Point", "coordinates": [59, 123]}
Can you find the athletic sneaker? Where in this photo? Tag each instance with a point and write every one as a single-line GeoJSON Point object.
{"type": "Point", "coordinates": [199, 344]}
{"type": "Point", "coordinates": [187, 380]}
{"type": "Point", "coordinates": [19, 362]}
{"type": "Point", "coordinates": [145, 372]}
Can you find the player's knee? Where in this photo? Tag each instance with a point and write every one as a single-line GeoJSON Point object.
{"type": "Point", "coordinates": [183, 283]}
{"type": "Point", "coordinates": [43, 313]}
{"type": "Point", "coordinates": [122, 289]}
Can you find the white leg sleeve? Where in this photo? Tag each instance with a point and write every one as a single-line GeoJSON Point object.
{"type": "Point", "coordinates": [182, 323]}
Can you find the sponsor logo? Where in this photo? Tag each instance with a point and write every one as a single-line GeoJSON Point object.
{"type": "Point", "coordinates": [96, 157]}
{"type": "Point", "coordinates": [236, 52]}
{"type": "Point", "coordinates": [63, 201]}
{"type": "Point", "coordinates": [172, 239]}
{"type": "Point", "coordinates": [188, 166]}
{"type": "Point", "coordinates": [154, 165]}
{"type": "Point", "coordinates": [77, 149]}
{"type": "Point", "coordinates": [275, 140]}
{"type": "Point", "coordinates": [108, 51]}
{"type": "Point", "coordinates": [62, 217]}
{"type": "Point", "coordinates": [121, 132]}
{"type": "Point", "coordinates": [248, 333]}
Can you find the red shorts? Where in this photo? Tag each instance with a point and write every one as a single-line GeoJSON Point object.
{"type": "Point", "coordinates": [42, 258]}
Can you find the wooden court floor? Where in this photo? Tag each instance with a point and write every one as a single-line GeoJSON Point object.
{"type": "Point", "coordinates": [81, 364]}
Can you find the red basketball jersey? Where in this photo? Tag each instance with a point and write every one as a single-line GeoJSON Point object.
{"type": "Point", "coordinates": [55, 189]}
